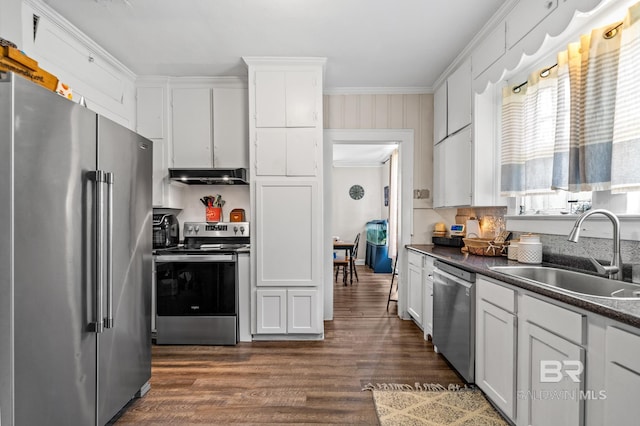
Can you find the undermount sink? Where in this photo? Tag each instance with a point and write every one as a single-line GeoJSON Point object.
{"type": "Point", "coordinates": [574, 282]}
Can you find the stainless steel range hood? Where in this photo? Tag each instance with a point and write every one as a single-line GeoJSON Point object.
{"type": "Point", "coordinates": [209, 176]}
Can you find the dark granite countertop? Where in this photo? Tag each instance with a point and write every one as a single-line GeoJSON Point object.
{"type": "Point", "coordinates": [626, 311]}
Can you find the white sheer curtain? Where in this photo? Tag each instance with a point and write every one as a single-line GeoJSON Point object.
{"type": "Point", "coordinates": [576, 125]}
{"type": "Point", "coordinates": [625, 155]}
{"type": "Point", "coordinates": [528, 134]}
{"type": "Point", "coordinates": [393, 205]}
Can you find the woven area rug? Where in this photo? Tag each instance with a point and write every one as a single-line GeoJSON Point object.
{"type": "Point", "coordinates": [464, 407]}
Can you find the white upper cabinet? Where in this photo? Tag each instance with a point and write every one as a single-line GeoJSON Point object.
{"type": "Point", "coordinates": [191, 119]}
{"type": "Point", "coordinates": [452, 171]}
{"type": "Point", "coordinates": [286, 98]}
{"type": "Point", "coordinates": [150, 112]}
{"type": "Point", "coordinates": [459, 98]}
{"type": "Point", "coordinates": [230, 128]}
{"type": "Point", "coordinates": [525, 16]}
{"type": "Point", "coordinates": [440, 113]}
{"type": "Point", "coordinates": [301, 89]}
{"type": "Point", "coordinates": [302, 152]}
{"type": "Point", "coordinates": [270, 99]}
{"type": "Point", "coordinates": [150, 104]}
{"type": "Point", "coordinates": [210, 127]}
{"type": "Point", "coordinates": [286, 152]}
{"type": "Point", "coordinates": [452, 103]}
{"type": "Point", "coordinates": [489, 50]}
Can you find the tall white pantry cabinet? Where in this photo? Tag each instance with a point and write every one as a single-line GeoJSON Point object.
{"type": "Point", "coordinates": [285, 168]}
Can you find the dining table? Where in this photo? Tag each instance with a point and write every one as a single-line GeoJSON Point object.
{"type": "Point", "coordinates": [347, 246]}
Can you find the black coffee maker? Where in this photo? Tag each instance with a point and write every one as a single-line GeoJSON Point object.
{"type": "Point", "coordinates": [166, 231]}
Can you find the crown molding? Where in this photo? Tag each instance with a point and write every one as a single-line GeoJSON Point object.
{"type": "Point", "coordinates": [377, 90]}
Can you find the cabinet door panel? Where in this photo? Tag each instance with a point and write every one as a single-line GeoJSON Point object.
{"type": "Point", "coordinates": [150, 112]}
{"type": "Point", "coordinates": [538, 346]}
{"type": "Point", "coordinates": [302, 311]}
{"type": "Point", "coordinates": [489, 50]}
{"type": "Point", "coordinates": [287, 234]}
{"type": "Point", "coordinates": [525, 16]}
{"type": "Point", "coordinates": [496, 355]}
{"type": "Point", "coordinates": [191, 120]}
{"type": "Point", "coordinates": [302, 152]}
{"type": "Point", "coordinates": [459, 98]}
{"type": "Point", "coordinates": [456, 169]}
{"type": "Point", "coordinates": [230, 128]}
{"type": "Point", "coordinates": [301, 88]}
{"type": "Point", "coordinates": [270, 99]}
{"type": "Point", "coordinates": [427, 307]}
{"type": "Point", "coordinates": [271, 311]}
{"type": "Point", "coordinates": [438, 175]}
{"type": "Point", "coordinates": [271, 152]}
{"type": "Point", "coordinates": [440, 113]}
{"type": "Point", "coordinates": [622, 373]}
{"type": "Point", "coordinates": [414, 305]}
{"type": "Point", "coordinates": [159, 172]}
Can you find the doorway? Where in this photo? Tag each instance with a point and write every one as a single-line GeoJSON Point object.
{"type": "Point", "coordinates": [352, 139]}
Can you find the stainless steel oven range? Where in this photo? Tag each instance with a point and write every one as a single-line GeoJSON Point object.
{"type": "Point", "coordinates": [197, 285]}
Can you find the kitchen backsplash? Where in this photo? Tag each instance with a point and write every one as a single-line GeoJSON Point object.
{"type": "Point", "coordinates": [598, 248]}
{"type": "Point", "coordinates": [554, 246]}
{"type": "Point", "coordinates": [235, 197]}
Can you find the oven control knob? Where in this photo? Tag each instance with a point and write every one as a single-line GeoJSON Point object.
{"type": "Point", "coordinates": [235, 229]}
{"type": "Point", "coordinates": [242, 230]}
{"type": "Point", "coordinates": [189, 229]}
{"type": "Point", "coordinates": [197, 229]}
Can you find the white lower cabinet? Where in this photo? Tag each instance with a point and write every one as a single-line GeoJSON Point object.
{"type": "Point", "coordinates": [271, 311]}
{"type": "Point", "coordinates": [531, 360]}
{"type": "Point", "coordinates": [551, 361]}
{"type": "Point", "coordinates": [548, 395]}
{"type": "Point", "coordinates": [427, 305]}
{"type": "Point", "coordinates": [414, 303]}
{"type": "Point", "coordinates": [622, 377]}
{"type": "Point", "coordinates": [288, 311]}
{"type": "Point", "coordinates": [496, 337]}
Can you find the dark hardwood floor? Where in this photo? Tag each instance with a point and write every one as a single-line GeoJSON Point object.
{"type": "Point", "coordinates": [295, 382]}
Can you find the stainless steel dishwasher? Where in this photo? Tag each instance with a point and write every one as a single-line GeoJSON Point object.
{"type": "Point", "coordinates": [454, 317]}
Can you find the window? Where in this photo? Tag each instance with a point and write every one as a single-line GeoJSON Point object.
{"type": "Point", "coordinates": [573, 127]}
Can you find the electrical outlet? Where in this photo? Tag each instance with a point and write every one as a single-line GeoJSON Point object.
{"type": "Point", "coordinates": [420, 194]}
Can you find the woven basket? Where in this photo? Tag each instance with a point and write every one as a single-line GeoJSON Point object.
{"type": "Point", "coordinates": [483, 246]}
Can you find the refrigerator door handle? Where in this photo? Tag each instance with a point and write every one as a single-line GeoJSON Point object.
{"type": "Point", "coordinates": [108, 321]}
{"type": "Point", "coordinates": [98, 177]}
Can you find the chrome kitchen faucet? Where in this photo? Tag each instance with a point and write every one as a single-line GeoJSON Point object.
{"type": "Point", "coordinates": [615, 269]}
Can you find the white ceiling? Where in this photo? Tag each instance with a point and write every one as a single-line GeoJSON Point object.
{"type": "Point", "coordinates": [362, 154]}
{"type": "Point", "coordinates": [391, 44]}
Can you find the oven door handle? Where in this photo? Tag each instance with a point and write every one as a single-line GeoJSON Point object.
{"type": "Point", "coordinates": [196, 258]}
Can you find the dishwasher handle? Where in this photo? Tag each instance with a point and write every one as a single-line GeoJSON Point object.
{"type": "Point", "coordinates": [449, 277]}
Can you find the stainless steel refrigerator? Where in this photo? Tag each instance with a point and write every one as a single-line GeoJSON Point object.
{"type": "Point", "coordinates": [75, 260]}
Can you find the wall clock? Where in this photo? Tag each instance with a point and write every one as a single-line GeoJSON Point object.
{"type": "Point", "coordinates": [356, 192]}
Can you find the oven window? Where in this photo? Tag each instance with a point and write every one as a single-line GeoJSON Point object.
{"type": "Point", "coordinates": [196, 288]}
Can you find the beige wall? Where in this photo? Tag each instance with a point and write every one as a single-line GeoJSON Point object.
{"type": "Point", "coordinates": [411, 111]}
{"type": "Point", "coordinates": [350, 216]}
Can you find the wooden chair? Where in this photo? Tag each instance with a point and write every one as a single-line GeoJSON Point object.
{"type": "Point", "coordinates": [393, 275]}
{"type": "Point", "coordinates": [341, 263]}
{"type": "Point", "coordinates": [348, 262]}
